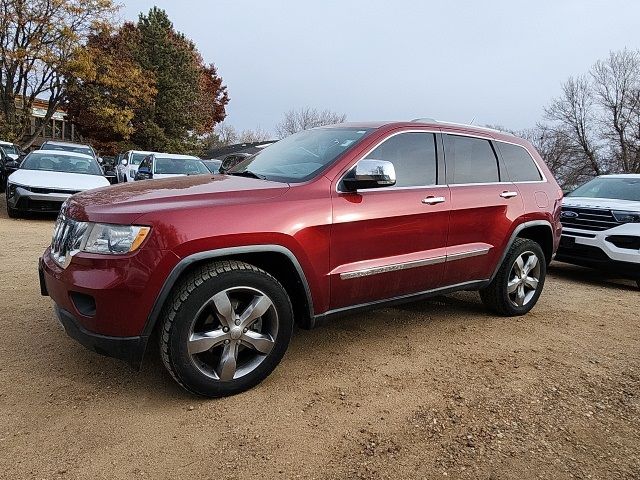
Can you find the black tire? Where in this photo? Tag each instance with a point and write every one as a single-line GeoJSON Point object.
{"type": "Point", "coordinates": [638, 283]}
{"type": "Point", "coordinates": [496, 296]}
{"type": "Point", "coordinates": [184, 313]}
{"type": "Point", "coordinates": [11, 212]}
{"type": "Point", "coordinates": [3, 183]}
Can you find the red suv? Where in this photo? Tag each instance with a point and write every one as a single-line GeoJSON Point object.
{"type": "Point", "coordinates": [324, 222]}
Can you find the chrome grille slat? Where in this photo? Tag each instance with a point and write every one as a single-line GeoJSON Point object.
{"type": "Point", "coordinates": [65, 233]}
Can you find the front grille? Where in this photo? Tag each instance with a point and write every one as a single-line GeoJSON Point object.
{"type": "Point", "coordinates": [67, 234]}
{"type": "Point", "coordinates": [51, 190]}
{"type": "Point", "coordinates": [592, 219]}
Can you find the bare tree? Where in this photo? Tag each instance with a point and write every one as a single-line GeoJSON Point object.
{"type": "Point", "coordinates": [224, 134]}
{"type": "Point", "coordinates": [305, 118]}
{"type": "Point", "coordinates": [37, 39]}
{"type": "Point", "coordinates": [574, 113]}
{"type": "Point", "coordinates": [616, 84]}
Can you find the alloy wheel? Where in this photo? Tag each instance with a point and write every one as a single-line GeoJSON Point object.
{"type": "Point", "coordinates": [233, 332]}
{"type": "Point", "coordinates": [524, 279]}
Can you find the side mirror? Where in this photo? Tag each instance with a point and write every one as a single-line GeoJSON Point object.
{"type": "Point", "coordinates": [100, 160]}
{"type": "Point", "coordinates": [123, 161]}
{"type": "Point", "coordinates": [370, 174]}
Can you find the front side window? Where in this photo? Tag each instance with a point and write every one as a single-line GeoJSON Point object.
{"type": "Point", "coordinates": [301, 156]}
{"type": "Point", "coordinates": [470, 160]}
{"type": "Point", "coordinates": [53, 162]}
{"type": "Point", "coordinates": [519, 163]}
{"type": "Point", "coordinates": [413, 155]}
{"type": "Point", "coordinates": [9, 149]}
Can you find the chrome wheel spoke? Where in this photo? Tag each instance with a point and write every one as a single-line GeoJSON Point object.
{"type": "Point", "coordinates": [532, 262]}
{"type": "Point", "coordinates": [201, 342]}
{"type": "Point", "coordinates": [258, 307]}
{"type": "Point", "coordinates": [258, 341]}
{"type": "Point", "coordinates": [531, 282]}
{"type": "Point", "coordinates": [520, 295]}
{"type": "Point", "coordinates": [519, 266]}
{"type": "Point", "coordinates": [513, 285]}
{"type": "Point", "coordinates": [228, 360]}
{"type": "Point", "coordinates": [223, 307]}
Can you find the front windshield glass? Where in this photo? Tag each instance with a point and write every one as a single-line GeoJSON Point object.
{"type": "Point", "coordinates": [53, 162]}
{"type": "Point", "coordinates": [136, 158]}
{"type": "Point", "coordinates": [301, 156]}
{"type": "Point", "coordinates": [69, 148]}
{"type": "Point", "coordinates": [620, 188]}
{"type": "Point", "coordinates": [180, 166]}
{"type": "Point", "coordinates": [9, 149]}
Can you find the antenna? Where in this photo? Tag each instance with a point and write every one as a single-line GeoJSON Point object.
{"type": "Point", "coordinates": [472, 120]}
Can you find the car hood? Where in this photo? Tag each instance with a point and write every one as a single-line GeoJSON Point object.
{"type": "Point", "coordinates": [59, 180]}
{"type": "Point", "coordinates": [125, 202]}
{"type": "Point", "coordinates": [608, 203]}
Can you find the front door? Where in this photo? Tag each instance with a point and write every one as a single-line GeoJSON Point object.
{"type": "Point", "coordinates": [391, 241]}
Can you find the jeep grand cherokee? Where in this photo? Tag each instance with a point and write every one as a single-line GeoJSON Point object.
{"type": "Point", "coordinates": [324, 222]}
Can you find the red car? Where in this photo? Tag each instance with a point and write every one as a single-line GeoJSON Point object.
{"type": "Point", "coordinates": [324, 222]}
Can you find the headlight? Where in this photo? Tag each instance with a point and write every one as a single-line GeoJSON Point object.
{"type": "Point", "coordinates": [11, 190]}
{"type": "Point", "coordinates": [114, 239]}
{"type": "Point", "coordinates": [626, 217]}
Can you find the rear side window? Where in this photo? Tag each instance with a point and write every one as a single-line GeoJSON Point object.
{"type": "Point", "coordinates": [470, 160]}
{"type": "Point", "coordinates": [519, 163]}
{"type": "Point", "coordinates": [413, 156]}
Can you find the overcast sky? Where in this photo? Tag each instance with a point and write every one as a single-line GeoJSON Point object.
{"type": "Point", "coordinates": [496, 61]}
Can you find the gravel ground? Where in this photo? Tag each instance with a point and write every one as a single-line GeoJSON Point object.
{"type": "Point", "coordinates": [435, 389]}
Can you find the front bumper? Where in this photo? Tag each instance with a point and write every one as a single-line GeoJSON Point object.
{"type": "Point", "coordinates": [128, 349]}
{"type": "Point", "coordinates": [27, 201]}
{"type": "Point", "coordinates": [596, 252]}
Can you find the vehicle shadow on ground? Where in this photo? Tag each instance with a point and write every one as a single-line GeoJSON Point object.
{"type": "Point", "coordinates": [154, 381]}
{"type": "Point", "coordinates": [590, 276]}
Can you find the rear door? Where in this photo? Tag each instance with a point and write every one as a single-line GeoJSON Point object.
{"type": "Point", "coordinates": [484, 204]}
{"type": "Point", "coordinates": [391, 241]}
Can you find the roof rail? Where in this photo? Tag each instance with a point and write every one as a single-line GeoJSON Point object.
{"type": "Point", "coordinates": [455, 124]}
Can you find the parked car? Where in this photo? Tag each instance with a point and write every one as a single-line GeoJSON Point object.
{"type": "Point", "coordinates": [213, 165]}
{"type": "Point", "coordinates": [129, 163]}
{"type": "Point", "coordinates": [327, 221]}
{"type": "Point", "coordinates": [51, 145]}
{"type": "Point", "coordinates": [46, 178]}
{"type": "Point", "coordinates": [601, 221]}
{"type": "Point", "coordinates": [166, 165]}
{"type": "Point", "coordinates": [12, 150]}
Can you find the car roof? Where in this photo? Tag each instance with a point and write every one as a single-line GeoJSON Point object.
{"type": "Point", "coordinates": [425, 122]}
{"type": "Point", "coordinates": [3, 142]}
{"type": "Point", "coordinates": [139, 151]}
{"type": "Point", "coordinates": [622, 175]}
{"type": "Point", "coordinates": [64, 152]}
{"type": "Point", "coordinates": [66, 144]}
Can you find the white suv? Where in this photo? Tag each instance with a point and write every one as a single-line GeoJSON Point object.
{"type": "Point", "coordinates": [601, 225]}
{"type": "Point", "coordinates": [128, 166]}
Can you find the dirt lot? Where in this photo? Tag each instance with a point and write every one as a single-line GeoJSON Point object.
{"type": "Point", "coordinates": [436, 389]}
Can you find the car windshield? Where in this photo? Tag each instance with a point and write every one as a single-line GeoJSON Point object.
{"type": "Point", "coordinates": [9, 149]}
{"type": "Point", "coordinates": [69, 148]}
{"type": "Point", "coordinates": [620, 188]}
{"type": "Point", "coordinates": [213, 165]}
{"type": "Point", "coordinates": [136, 158]}
{"type": "Point", "coordinates": [53, 162]}
{"type": "Point", "coordinates": [301, 156]}
{"type": "Point", "coordinates": [180, 166]}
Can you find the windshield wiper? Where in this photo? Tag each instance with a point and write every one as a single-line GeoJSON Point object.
{"type": "Point", "coordinates": [247, 173]}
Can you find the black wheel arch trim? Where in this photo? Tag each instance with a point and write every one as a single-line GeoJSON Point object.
{"type": "Point", "coordinates": [186, 262]}
{"type": "Point", "coordinates": [514, 235]}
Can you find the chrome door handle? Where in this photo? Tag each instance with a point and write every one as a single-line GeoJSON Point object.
{"type": "Point", "coordinates": [432, 200]}
{"type": "Point", "coordinates": [509, 194]}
